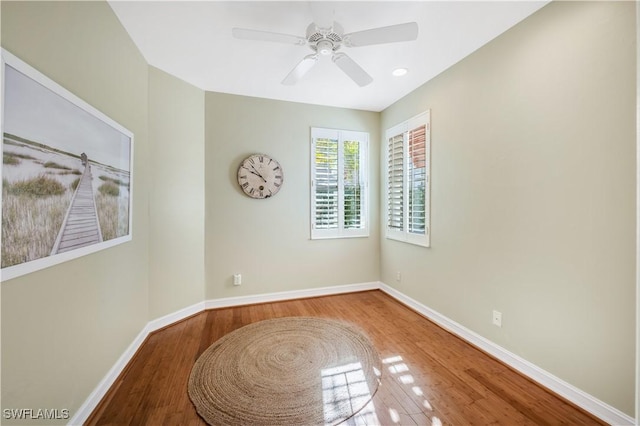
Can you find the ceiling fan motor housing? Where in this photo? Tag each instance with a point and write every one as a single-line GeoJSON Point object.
{"type": "Point", "coordinates": [325, 40]}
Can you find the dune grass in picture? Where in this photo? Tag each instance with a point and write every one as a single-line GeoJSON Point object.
{"type": "Point", "coordinates": [32, 213]}
{"type": "Point", "coordinates": [112, 214]}
{"type": "Point", "coordinates": [13, 159]}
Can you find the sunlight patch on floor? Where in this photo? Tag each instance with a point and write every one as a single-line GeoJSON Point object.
{"type": "Point", "coordinates": [346, 385]}
{"type": "Point", "coordinates": [398, 368]}
{"type": "Point", "coordinates": [393, 413]}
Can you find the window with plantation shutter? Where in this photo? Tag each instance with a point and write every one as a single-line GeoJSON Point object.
{"type": "Point", "coordinates": [407, 178]}
{"type": "Point", "coordinates": [339, 190]}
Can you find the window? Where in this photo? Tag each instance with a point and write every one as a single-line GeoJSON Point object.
{"type": "Point", "coordinates": [407, 178]}
{"type": "Point", "coordinates": [339, 186]}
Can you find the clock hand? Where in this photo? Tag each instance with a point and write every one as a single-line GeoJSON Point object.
{"type": "Point", "coordinates": [257, 173]}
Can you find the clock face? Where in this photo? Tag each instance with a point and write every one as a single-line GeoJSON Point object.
{"type": "Point", "coordinates": [260, 176]}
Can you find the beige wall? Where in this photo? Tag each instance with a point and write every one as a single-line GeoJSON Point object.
{"type": "Point", "coordinates": [268, 241]}
{"type": "Point", "coordinates": [176, 240]}
{"type": "Point", "coordinates": [533, 195]}
{"type": "Point", "coordinates": [64, 327]}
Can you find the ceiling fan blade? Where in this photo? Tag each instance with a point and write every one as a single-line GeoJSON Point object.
{"type": "Point", "coordinates": [245, 34]}
{"type": "Point", "coordinates": [322, 13]}
{"type": "Point", "coordinates": [352, 69]}
{"type": "Point", "coordinates": [300, 70]}
{"type": "Point", "coordinates": [390, 34]}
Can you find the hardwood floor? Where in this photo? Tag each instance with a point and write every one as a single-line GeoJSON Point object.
{"type": "Point", "coordinates": [430, 377]}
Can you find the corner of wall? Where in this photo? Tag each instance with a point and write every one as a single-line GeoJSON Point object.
{"type": "Point", "coordinates": [176, 214]}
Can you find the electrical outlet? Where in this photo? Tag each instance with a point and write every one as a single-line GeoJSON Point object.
{"type": "Point", "coordinates": [398, 276]}
{"type": "Point", "coordinates": [497, 319]}
{"type": "Point", "coordinates": [237, 279]}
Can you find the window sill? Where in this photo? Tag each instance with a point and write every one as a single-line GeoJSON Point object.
{"type": "Point", "coordinates": [334, 237]}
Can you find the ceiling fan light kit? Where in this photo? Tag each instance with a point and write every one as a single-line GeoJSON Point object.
{"type": "Point", "coordinates": [325, 37]}
{"type": "Point", "coordinates": [324, 47]}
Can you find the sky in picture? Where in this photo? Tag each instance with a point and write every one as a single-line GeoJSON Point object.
{"type": "Point", "coordinates": [34, 112]}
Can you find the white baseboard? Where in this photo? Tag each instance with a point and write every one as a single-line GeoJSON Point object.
{"type": "Point", "coordinates": [289, 295]}
{"type": "Point", "coordinates": [582, 399]}
{"type": "Point", "coordinates": [589, 403]}
{"type": "Point", "coordinates": [169, 319]}
{"type": "Point", "coordinates": [105, 384]}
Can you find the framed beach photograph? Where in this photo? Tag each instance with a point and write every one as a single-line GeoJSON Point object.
{"type": "Point", "coordinates": [66, 174]}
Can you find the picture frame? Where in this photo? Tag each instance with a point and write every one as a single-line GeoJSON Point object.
{"type": "Point", "coordinates": [67, 174]}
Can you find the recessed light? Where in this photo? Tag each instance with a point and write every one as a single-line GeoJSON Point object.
{"type": "Point", "coordinates": [399, 72]}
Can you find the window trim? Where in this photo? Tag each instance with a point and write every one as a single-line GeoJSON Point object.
{"type": "Point", "coordinates": [341, 136]}
{"type": "Point", "coordinates": [403, 129]}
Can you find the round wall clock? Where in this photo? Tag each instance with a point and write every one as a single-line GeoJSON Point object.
{"type": "Point", "coordinates": [260, 176]}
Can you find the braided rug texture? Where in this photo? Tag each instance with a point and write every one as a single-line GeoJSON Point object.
{"type": "Point", "coordinates": [286, 371]}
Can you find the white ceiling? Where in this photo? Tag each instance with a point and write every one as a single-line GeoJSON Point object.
{"type": "Point", "coordinates": [192, 41]}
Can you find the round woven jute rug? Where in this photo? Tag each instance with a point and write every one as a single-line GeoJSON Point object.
{"type": "Point", "coordinates": [286, 371]}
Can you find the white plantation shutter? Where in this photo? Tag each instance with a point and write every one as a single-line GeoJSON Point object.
{"type": "Point", "coordinates": [353, 185]}
{"type": "Point", "coordinates": [408, 170]}
{"type": "Point", "coordinates": [326, 183]}
{"type": "Point", "coordinates": [417, 180]}
{"type": "Point", "coordinates": [395, 182]}
{"type": "Point", "coordinates": [338, 183]}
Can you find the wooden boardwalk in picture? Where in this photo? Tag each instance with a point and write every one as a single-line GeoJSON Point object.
{"type": "Point", "coordinates": [80, 227]}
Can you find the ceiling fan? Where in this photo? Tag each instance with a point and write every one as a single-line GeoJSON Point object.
{"type": "Point", "coordinates": [325, 38]}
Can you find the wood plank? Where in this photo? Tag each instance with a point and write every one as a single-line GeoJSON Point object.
{"type": "Point", "coordinates": [81, 232]}
{"type": "Point", "coordinates": [451, 382]}
{"type": "Point", "coordinates": [77, 242]}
